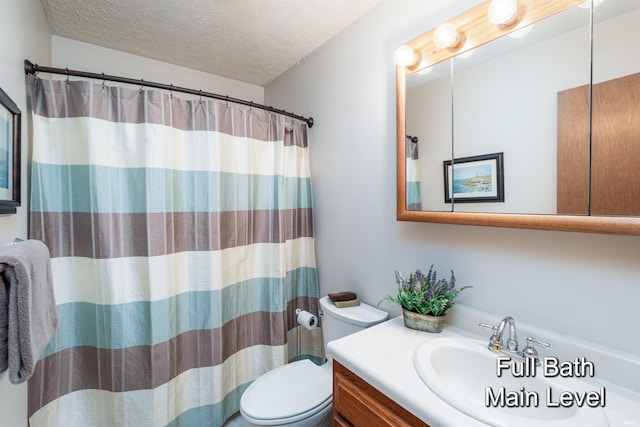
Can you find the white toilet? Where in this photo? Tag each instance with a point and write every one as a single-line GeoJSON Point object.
{"type": "Point", "coordinates": [299, 394]}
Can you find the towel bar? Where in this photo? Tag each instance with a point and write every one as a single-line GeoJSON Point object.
{"type": "Point", "coordinates": [15, 242]}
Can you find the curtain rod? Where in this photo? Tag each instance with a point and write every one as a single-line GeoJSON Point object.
{"type": "Point", "coordinates": [31, 68]}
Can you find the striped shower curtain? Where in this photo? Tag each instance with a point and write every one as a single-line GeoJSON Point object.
{"type": "Point", "coordinates": [182, 243]}
{"type": "Point", "coordinates": [413, 176]}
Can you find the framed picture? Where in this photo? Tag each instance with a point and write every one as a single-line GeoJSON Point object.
{"type": "Point", "coordinates": [474, 179]}
{"type": "Point", "coordinates": [10, 121]}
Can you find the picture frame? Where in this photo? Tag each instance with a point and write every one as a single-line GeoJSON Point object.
{"type": "Point", "coordinates": [10, 143]}
{"type": "Point", "coordinates": [474, 179]}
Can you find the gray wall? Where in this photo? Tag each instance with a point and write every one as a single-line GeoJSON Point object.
{"type": "Point", "coordinates": [584, 285]}
{"type": "Point", "coordinates": [25, 33]}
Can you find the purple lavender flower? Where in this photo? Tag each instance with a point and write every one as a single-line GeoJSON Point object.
{"type": "Point", "coordinates": [431, 276]}
{"type": "Point", "coordinates": [425, 293]}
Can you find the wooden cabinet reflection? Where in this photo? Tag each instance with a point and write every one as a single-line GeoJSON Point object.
{"type": "Point", "coordinates": [615, 151]}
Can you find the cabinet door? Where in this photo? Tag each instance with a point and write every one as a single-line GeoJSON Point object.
{"type": "Point", "coordinates": [615, 175]}
{"type": "Point", "coordinates": [573, 151]}
{"type": "Point", "coordinates": [358, 404]}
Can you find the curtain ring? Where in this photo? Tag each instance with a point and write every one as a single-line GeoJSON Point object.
{"type": "Point", "coordinates": [103, 82]}
{"type": "Point", "coordinates": [227, 101]}
{"type": "Point", "coordinates": [66, 70]}
{"type": "Point", "coordinates": [200, 93]}
{"type": "Point", "coordinates": [141, 87]}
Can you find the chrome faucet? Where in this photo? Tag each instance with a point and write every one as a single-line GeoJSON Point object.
{"type": "Point", "coordinates": [495, 342]}
{"type": "Point", "coordinates": [512, 341]}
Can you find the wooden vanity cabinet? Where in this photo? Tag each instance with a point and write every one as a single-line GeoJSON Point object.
{"type": "Point", "coordinates": [356, 403]}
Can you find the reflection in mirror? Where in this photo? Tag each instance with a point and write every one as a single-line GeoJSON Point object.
{"type": "Point", "coordinates": [554, 161]}
{"type": "Point", "coordinates": [428, 117]}
{"type": "Point", "coordinates": [613, 186]}
{"type": "Point", "coordinates": [501, 98]}
{"type": "Point", "coordinates": [506, 101]}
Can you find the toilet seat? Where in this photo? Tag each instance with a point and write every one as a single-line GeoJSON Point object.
{"type": "Point", "coordinates": [287, 394]}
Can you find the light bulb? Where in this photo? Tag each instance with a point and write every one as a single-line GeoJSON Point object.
{"type": "Point", "coordinates": [446, 35]}
{"type": "Point", "coordinates": [503, 12]}
{"type": "Point", "coordinates": [404, 56]}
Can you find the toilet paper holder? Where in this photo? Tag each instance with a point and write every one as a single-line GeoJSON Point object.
{"type": "Point", "coordinates": [306, 319]}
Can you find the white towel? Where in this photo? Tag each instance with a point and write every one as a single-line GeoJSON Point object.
{"type": "Point", "coordinates": [28, 315]}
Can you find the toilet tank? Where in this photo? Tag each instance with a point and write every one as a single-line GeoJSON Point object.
{"type": "Point", "coordinates": [340, 322]}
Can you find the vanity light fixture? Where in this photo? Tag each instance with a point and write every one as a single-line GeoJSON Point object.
{"type": "Point", "coordinates": [503, 12]}
{"type": "Point", "coordinates": [446, 35]}
{"type": "Point", "coordinates": [405, 56]}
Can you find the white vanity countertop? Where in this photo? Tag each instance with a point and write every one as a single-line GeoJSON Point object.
{"type": "Point", "coordinates": [383, 356]}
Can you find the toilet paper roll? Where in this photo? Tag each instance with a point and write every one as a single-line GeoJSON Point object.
{"type": "Point", "coordinates": [307, 320]}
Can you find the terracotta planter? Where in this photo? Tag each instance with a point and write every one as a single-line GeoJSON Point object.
{"type": "Point", "coordinates": [423, 322]}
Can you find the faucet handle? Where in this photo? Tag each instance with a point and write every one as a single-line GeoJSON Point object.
{"type": "Point", "coordinates": [493, 330]}
{"type": "Point", "coordinates": [531, 341]}
{"type": "Point", "coordinates": [492, 340]}
{"type": "Point", "coordinates": [530, 351]}
{"type": "Point", "coordinates": [487, 326]}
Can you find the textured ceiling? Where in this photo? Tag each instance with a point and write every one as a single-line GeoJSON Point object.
{"type": "Point", "coordinates": [253, 41]}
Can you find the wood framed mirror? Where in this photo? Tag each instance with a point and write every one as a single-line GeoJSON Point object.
{"type": "Point", "coordinates": [475, 30]}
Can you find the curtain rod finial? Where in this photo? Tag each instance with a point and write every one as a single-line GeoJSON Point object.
{"type": "Point", "coordinates": [29, 67]}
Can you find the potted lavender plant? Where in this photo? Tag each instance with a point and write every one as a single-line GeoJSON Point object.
{"type": "Point", "coordinates": [425, 299]}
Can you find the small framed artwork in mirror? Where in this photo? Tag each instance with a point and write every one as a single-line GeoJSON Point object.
{"type": "Point", "coordinates": [10, 121]}
{"type": "Point", "coordinates": [474, 179]}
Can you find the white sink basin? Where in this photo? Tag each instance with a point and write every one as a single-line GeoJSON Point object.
{"type": "Point", "coordinates": [460, 370]}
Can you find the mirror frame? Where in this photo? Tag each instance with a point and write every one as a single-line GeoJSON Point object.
{"type": "Point", "coordinates": [476, 30]}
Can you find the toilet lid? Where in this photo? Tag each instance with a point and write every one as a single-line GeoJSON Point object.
{"type": "Point", "coordinates": [287, 391]}
{"type": "Point", "coordinates": [362, 315]}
